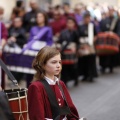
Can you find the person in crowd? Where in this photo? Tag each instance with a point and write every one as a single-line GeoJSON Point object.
{"type": "Point", "coordinates": [17, 38]}
{"type": "Point", "coordinates": [86, 51]}
{"type": "Point", "coordinates": [50, 12]}
{"type": "Point", "coordinates": [45, 39]}
{"type": "Point", "coordinates": [29, 19]}
{"type": "Point", "coordinates": [67, 10]}
{"type": "Point", "coordinates": [78, 13]}
{"type": "Point", "coordinates": [68, 41]}
{"type": "Point", "coordinates": [3, 41]}
{"type": "Point", "coordinates": [6, 22]}
{"type": "Point", "coordinates": [57, 28]}
{"type": "Point", "coordinates": [1, 14]}
{"type": "Point", "coordinates": [17, 33]}
{"type": "Point", "coordinates": [108, 61]}
{"type": "Point", "coordinates": [48, 66]}
{"type": "Point", "coordinates": [18, 10]}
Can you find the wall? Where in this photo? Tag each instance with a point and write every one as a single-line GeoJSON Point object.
{"type": "Point", "coordinates": [8, 6]}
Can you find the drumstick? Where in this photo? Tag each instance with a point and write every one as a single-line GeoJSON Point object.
{"type": "Point", "coordinates": [4, 67]}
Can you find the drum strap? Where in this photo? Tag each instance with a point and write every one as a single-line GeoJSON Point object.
{"type": "Point", "coordinates": [69, 39]}
{"type": "Point", "coordinates": [9, 74]}
{"type": "Point", "coordinates": [3, 98]}
{"type": "Point", "coordinates": [56, 110]}
{"type": "Point", "coordinates": [113, 24]}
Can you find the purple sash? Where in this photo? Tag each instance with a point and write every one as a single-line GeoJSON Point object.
{"type": "Point", "coordinates": [38, 36]}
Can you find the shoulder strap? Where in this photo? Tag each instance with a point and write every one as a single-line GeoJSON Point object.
{"type": "Point", "coordinates": [113, 24]}
{"type": "Point", "coordinates": [68, 41]}
{"type": "Point", "coordinates": [56, 110]}
{"type": "Point", "coordinates": [9, 74]}
{"type": "Point", "coordinates": [52, 99]}
{"type": "Point", "coordinates": [61, 89]}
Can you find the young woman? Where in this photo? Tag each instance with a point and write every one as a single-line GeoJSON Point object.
{"type": "Point", "coordinates": [68, 40]}
{"type": "Point", "coordinates": [47, 64]}
{"type": "Point", "coordinates": [41, 34]}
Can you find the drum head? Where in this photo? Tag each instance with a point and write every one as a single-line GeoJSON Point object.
{"type": "Point", "coordinates": [15, 93]}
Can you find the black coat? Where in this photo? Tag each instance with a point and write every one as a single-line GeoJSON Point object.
{"type": "Point", "coordinates": [19, 34]}
{"type": "Point", "coordinates": [106, 23]}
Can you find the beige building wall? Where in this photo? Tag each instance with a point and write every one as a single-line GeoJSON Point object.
{"type": "Point", "coordinates": [8, 6]}
{"type": "Point", "coordinates": [109, 2]}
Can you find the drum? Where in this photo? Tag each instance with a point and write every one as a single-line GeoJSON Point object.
{"type": "Point", "coordinates": [69, 54]}
{"type": "Point", "coordinates": [107, 43]}
{"type": "Point", "coordinates": [85, 50]}
{"type": "Point", "coordinates": [18, 103]}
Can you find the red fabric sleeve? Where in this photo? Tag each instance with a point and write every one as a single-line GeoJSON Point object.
{"type": "Point", "coordinates": [35, 103]}
{"type": "Point", "coordinates": [70, 103]}
{"type": "Point", "coordinates": [4, 34]}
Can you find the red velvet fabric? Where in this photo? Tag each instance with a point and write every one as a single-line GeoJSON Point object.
{"type": "Point", "coordinates": [38, 103]}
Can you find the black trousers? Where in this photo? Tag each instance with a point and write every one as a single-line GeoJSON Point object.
{"type": "Point", "coordinates": [69, 71]}
{"type": "Point", "coordinates": [87, 66]}
{"type": "Point", "coordinates": [108, 61]}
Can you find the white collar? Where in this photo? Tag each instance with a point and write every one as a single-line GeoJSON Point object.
{"type": "Point", "coordinates": [50, 81]}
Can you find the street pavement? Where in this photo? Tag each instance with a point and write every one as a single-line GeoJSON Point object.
{"type": "Point", "coordinates": [99, 100]}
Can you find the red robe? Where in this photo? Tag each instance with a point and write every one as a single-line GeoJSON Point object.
{"type": "Point", "coordinates": [4, 35]}
{"type": "Point", "coordinates": [39, 105]}
{"type": "Point", "coordinates": [58, 25]}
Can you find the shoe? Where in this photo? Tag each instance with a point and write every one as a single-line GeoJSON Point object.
{"type": "Point", "coordinates": [76, 83]}
{"type": "Point", "coordinates": [103, 70]}
{"type": "Point", "coordinates": [83, 118]}
{"type": "Point", "coordinates": [90, 79]}
{"type": "Point", "coordinates": [111, 70]}
{"type": "Point", "coordinates": [84, 79]}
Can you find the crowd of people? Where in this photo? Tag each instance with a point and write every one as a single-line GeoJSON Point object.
{"type": "Point", "coordinates": [73, 31]}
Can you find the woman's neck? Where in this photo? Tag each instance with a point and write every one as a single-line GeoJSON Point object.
{"type": "Point", "coordinates": [52, 77]}
{"type": "Point", "coordinates": [41, 25]}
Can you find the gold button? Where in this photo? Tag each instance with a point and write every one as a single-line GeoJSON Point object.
{"type": "Point", "coordinates": [59, 104]}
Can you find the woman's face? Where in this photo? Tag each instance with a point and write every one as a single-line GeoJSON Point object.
{"type": "Point", "coordinates": [40, 18]}
{"type": "Point", "coordinates": [70, 24]}
{"type": "Point", "coordinates": [53, 66]}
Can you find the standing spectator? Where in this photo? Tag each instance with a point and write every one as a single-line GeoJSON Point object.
{"type": "Point", "coordinates": [78, 13]}
{"type": "Point", "coordinates": [58, 23]}
{"type": "Point", "coordinates": [1, 14]}
{"type": "Point", "coordinates": [17, 33]}
{"type": "Point", "coordinates": [18, 10]}
{"type": "Point", "coordinates": [29, 19]}
{"type": "Point", "coordinates": [17, 37]}
{"type": "Point", "coordinates": [67, 10]}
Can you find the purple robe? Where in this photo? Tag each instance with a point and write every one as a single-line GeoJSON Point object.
{"type": "Point", "coordinates": [78, 18]}
{"type": "Point", "coordinates": [46, 37]}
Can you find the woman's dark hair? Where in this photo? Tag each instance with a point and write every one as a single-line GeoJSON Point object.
{"type": "Point", "coordinates": [19, 3]}
{"type": "Point", "coordinates": [45, 16]}
{"type": "Point", "coordinates": [86, 14]}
